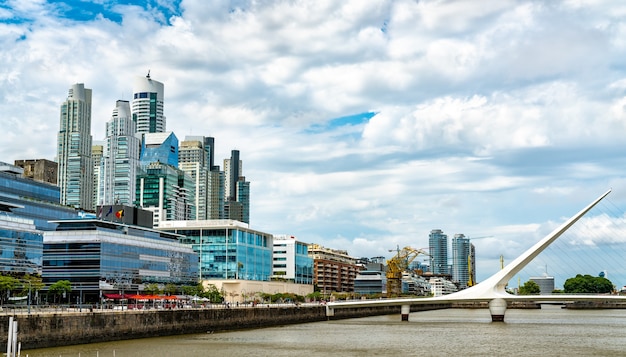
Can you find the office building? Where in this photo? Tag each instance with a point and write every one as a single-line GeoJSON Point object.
{"type": "Point", "coordinates": [166, 191]}
{"type": "Point", "coordinates": [97, 155]}
{"type": "Point", "coordinates": [100, 257]}
{"type": "Point", "coordinates": [33, 200]}
{"type": "Point", "coordinates": [461, 252]}
{"type": "Point", "coordinates": [546, 284]}
{"type": "Point", "coordinates": [193, 159]}
{"type": "Point", "coordinates": [147, 105]}
{"type": "Point", "coordinates": [228, 250]}
{"type": "Point", "coordinates": [41, 170]}
{"type": "Point", "coordinates": [291, 260]}
{"type": "Point", "coordinates": [21, 242]}
{"type": "Point", "coordinates": [236, 189]}
{"type": "Point", "coordinates": [121, 158]}
{"type": "Point", "coordinates": [333, 269]}
{"type": "Point", "coordinates": [75, 173]}
{"type": "Point", "coordinates": [438, 249]}
{"type": "Point", "coordinates": [159, 147]}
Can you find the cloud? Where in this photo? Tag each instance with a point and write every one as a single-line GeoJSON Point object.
{"type": "Point", "coordinates": [492, 120]}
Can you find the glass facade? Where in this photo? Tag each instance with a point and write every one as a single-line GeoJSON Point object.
{"type": "Point", "coordinates": [20, 246]}
{"type": "Point", "coordinates": [460, 259]}
{"type": "Point", "coordinates": [438, 248]}
{"type": "Point", "coordinates": [100, 257]}
{"type": "Point", "coordinates": [227, 251]}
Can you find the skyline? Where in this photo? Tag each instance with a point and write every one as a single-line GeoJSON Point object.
{"type": "Point", "coordinates": [361, 126]}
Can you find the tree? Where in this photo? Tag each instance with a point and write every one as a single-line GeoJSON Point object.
{"type": "Point", "coordinates": [529, 288]}
{"type": "Point", "coordinates": [587, 284]}
{"type": "Point", "coordinates": [7, 284]}
{"type": "Point", "coordinates": [152, 289]}
{"type": "Point", "coordinates": [60, 287]}
{"type": "Point", "coordinates": [170, 289]}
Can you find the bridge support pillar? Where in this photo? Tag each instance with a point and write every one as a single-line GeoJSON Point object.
{"type": "Point", "coordinates": [405, 310]}
{"type": "Point", "coordinates": [497, 308]}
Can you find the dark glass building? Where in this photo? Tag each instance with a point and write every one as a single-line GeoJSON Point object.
{"type": "Point", "coordinates": [100, 257]}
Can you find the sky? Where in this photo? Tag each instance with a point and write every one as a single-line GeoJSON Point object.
{"type": "Point", "coordinates": [362, 125]}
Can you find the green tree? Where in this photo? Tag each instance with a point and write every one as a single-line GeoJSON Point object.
{"type": "Point", "coordinates": [170, 289]}
{"type": "Point", "coordinates": [587, 284]}
{"type": "Point", "coordinates": [7, 285]}
{"type": "Point", "coordinates": [152, 289]}
{"type": "Point", "coordinates": [529, 288]}
{"type": "Point", "coordinates": [60, 287]}
{"type": "Point", "coordinates": [213, 294]}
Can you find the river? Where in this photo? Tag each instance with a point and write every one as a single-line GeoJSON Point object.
{"type": "Point", "coordinates": [550, 331]}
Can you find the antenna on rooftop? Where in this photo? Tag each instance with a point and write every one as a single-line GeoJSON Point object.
{"type": "Point", "coordinates": [148, 76]}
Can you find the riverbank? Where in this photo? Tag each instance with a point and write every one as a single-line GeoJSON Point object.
{"type": "Point", "coordinates": [45, 329]}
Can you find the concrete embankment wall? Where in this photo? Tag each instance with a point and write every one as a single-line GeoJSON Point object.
{"type": "Point", "coordinates": [39, 330]}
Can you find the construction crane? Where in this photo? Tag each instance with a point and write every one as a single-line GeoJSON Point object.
{"type": "Point", "coordinates": [398, 265]}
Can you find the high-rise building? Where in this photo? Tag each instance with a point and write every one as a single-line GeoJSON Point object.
{"type": "Point", "coordinates": [159, 147]}
{"type": "Point", "coordinates": [74, 149]}
{"type": "Point", "coordinates": [121, 158]}
{"type": "Point", "coordinates": [147, 106]}
{"type": "Point", "coordinates": [166, 191]}
{"type": "Point", "coordinates": [193, 159]}
{"type": "Point", "coordinates": [236, 189]}
{"type": "Point", "coordinates": [97, 155]}
{"type": "Point", "coordinates": [461, 252]}
{"type": "Point", "coordinates": [438, 249]}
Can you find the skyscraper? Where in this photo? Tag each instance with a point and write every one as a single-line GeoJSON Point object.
{"type": "Point", "coordinates": [236, 190]}
{"type": "Point", "coordinates": [193, 159]}
{"type": "Point", "coordinates": [147, 106]}
{"type": "Point", "coordinates": [121, 158]}
{"type": "Point", "coordinates": [461, 251]}
{"type": "Point", "coordinates": [74, 149]}
{"type": "Point", "coordinates": [438, 249]}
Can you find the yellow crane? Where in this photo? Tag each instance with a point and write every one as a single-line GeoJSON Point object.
{"type": "Point", "coordinates": [398, 265]}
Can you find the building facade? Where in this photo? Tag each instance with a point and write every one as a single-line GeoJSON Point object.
{"type": "Point", "coordinates": [120, 161]}
{"type": "Point", "coordinates": [438, 249]}
{"type": "Point", "coordinates": [100, 257]}
{"type": "Point", "coordinates": [147, 105]}
{"type": "Point", "coordinates": [333, 270]}
{"type": "Point", "coordinates": [75, 173]}
{"type": "Point", "coordinates": [227, 249]}
{"type": "Point", "coordinates": [41, 170]}
{"type": "Point", "coordinates": [21, 242]}
{"type": "Point", "coordinates": [166, 191]}
{"type": "Point", "coordinates": [461, 253]}
{"type": "Point", "coordinates": [291, 260]}
{"type": "Point", "coordinates": [236, 190]}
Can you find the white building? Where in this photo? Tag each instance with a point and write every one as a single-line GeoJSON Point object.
{"type": "Point", "coordinates": [147, 106]}
{"type": "Point", "coordinates": [120, 158]}
{"type": "Point", "coordinates": [291, 261]}
{"type": "Point", "coordinates": [75, 173]}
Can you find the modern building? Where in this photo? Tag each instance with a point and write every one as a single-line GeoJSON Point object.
{"type": "Point", "coordinates": [33, 200]}
{"type": "Point", "coordinates": [291, 260]}
{"type": "Point", "coordinates": [121, 158]}
{"type": "Point", "coordinates": [546, 284]}
{"type": "Point", "coordinates": [97, 156]}
{"type": "Point", "coordinates": [159, 147]}
{"type": "Point", "coordinates": [166, 191]}
{"type": "Point", "coordinates": [21, 242]}
{"type": "Point", "coordinates": [372, 279]}
{"type": "Point", "coordinates": [41, 170]}
{"type": "Point", "coordinates": [147, 106]}
{"type": "Point", "coordinates": [461, 253]}
{"type": "Point", "coordinates": [333, 269]}
{"type": "Point", "coordinates": [236, 190]}
{"type": "Point", "coordinates": [100, 257]}
{"type": "Point", "coordinates": [438, 249]}
{"type": "Point", "coordinates": [129, 215]}
{"type": "Point", "coordinates": [75, 174]}
{"type": "Point", "coordinates": [228, 249]}
{"type": "Point", "coordinates": [194, 159]}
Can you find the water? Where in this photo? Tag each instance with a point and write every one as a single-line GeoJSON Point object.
{"type": "Point", "coordinates": [551, 331]}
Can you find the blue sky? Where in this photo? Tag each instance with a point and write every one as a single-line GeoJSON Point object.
{"type": "Point", "coordinates": [362, 125]}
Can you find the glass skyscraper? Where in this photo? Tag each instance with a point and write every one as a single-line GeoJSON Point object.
{"type": "Point", "coordinates": [438, 249]}
{"type": "Point", "coordinates": [120, 159]}
{"type": "Point", "coordinates": [147, 106]}
{"type": "Point", "coordinates": [74, 149]}
{"type": "Point", "coordinates": [460, 259]}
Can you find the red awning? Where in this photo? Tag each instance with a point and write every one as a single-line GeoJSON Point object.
{"type": "Point", "coordinates": [113, 296]}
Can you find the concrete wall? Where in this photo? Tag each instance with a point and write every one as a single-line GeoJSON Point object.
{"type": "Point", "coordinates": [59, 329]}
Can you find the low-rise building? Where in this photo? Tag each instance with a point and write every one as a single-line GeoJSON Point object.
{"type": "Point", "coordinates": [333, 269]}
